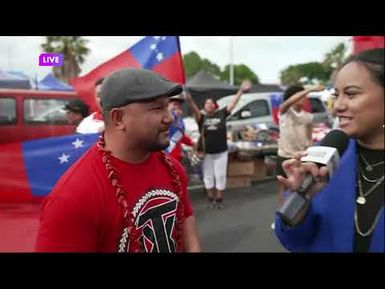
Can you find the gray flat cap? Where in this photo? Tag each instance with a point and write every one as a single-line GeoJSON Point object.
{"type": "Point", "coordinates": [133, 84]}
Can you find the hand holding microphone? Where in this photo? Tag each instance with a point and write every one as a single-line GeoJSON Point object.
{"type": "Point", "coordinates": [297, 171]}
{"type": "Point", "coordinates": [307, 174]}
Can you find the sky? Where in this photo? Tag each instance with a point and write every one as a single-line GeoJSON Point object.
{"type": "Point", "coordinates": [266, 56]}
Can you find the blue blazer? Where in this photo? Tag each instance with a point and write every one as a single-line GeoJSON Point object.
{"type": "Point", "coordinates": [329, 223]}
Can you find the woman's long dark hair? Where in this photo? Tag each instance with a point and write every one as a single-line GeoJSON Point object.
{"type": "Point", "coordinates": [373, 60]}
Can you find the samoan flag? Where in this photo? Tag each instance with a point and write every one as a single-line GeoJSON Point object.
{"type": "Point", "coordinates": [276, 100]}
{"type": "Point", "coordinates": [158, 53]}
{"type": "Point", "coordinates": [176, 132]}
{"type": "Point", "coordinates": [29, 170]}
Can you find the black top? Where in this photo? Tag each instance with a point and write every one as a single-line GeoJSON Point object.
{"type": "Point", "coordinates": [367, 213]}
{"type": "Point", "coordinates": [215, 132]}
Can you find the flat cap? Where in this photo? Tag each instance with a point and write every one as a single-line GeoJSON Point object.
{"type": "Point", "coordinates": [133, 84]}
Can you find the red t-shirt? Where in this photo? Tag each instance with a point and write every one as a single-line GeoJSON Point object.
{"type": "Point", "coordinates": [82, 213]}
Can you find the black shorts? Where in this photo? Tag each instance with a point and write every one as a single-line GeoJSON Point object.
{"type": "Point", "coordinates": [280, 171]}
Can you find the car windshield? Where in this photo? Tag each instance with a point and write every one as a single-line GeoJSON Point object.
{"type": "Point", "coordinates": [224, 101]}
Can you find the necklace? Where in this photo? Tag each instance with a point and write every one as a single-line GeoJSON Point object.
{"type": "Point", "coordinates": [370, 230]}
{"type": "Point", "coordinates": [370, 167]}
{"type": "Point", "coordinates": [130, 234]}
{"type": "Point", "coordinates": [367, 178]}
{"type": "Point", "coordinates": [362, 198]}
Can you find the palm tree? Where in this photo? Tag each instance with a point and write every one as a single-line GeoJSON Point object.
{"type": "Point", "coordinates": [334, 59]}
{"type": "Point", "coordinates": [74, 50]}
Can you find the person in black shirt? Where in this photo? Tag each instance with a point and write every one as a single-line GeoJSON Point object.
{"type": "Point", "coordinates": [212, 122]}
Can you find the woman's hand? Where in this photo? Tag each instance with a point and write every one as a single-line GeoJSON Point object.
{"type": "Point", "coordinates": [187, 96]}
{"type": "Point", "coordinates": [245, 86]}
{"type": "Point", "coordinates": [296, 172]}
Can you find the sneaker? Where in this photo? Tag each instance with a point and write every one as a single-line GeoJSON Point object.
{"type": "Point", "coordinates": [219, 203]}
{"type": "Point", "coordinates": [219, 206]}
{"type": "Point", "coordinates": [211, 203]}
{"type": "Point", "coordinates": [273, 226]}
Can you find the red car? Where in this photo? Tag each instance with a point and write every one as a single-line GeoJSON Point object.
{"type": "Point", "coordinates": [32, 114]}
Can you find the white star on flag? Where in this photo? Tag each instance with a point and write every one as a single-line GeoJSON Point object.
{"type": "Point", "coordinates": [78, 143]}
{"type": "Point", "coordinates": [153, 46]}
{"type": "Point", "coordinates": [63, 158]}
{"type": "Point", "coordinates": [159, 56]}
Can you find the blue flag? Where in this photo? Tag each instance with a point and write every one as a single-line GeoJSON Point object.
{"type": "Point", "coordinates": [47, 159]}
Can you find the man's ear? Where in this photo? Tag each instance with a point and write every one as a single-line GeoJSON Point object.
{"type": "Point", "coordinates": [116, 118]}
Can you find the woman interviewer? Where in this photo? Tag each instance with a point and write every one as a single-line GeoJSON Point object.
{"type": "Point", "coordinates": [346, 214]}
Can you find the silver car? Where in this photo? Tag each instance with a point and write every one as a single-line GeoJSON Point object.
{"type": "Point", "coordinates": [257, 109]}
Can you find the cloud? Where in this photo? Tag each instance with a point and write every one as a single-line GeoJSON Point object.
{"type": "Point", "coordinates": [266, 55]}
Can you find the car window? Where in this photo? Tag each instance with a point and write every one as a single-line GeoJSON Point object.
{"type": "Point", "coordinates": [316, 105]}
{"type": "Point", "coordinates": [257, 108]}
{"type": "Point", "coordinates": [7, 110]}
{"type": "Point", "coordinates": [45, 111]}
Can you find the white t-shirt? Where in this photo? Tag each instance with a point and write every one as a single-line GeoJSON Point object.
{"type": "Point", "coordinates": [91, 124]}
{"type": "Point", "coordinates": [293, 132]}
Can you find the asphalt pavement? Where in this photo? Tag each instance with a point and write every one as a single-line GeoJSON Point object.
{"type": "Point", "coordinates": [244, 224]}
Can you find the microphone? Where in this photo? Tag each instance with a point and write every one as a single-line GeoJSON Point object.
{"type": "Point", "coordinates": [328, 153]}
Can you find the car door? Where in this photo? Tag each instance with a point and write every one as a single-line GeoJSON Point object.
{"type": "Point", "coordinates": [319, 111]}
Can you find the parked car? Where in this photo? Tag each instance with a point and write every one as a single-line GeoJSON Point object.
{"type": "Point", "coordinates": [31, 114]}
{"type": "Point", "coordinates": [257, 108]}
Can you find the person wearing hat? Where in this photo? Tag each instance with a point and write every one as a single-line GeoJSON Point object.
{"type": "Point", "coordinates": [124, 194]}
{"type": "Point", "coordinates": [94, 122]}
{"type": "Point", "coordinates": [177, 128]}
{"type": "Point", "coordinates": [77, 110]}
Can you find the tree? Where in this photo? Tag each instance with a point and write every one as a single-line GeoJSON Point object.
{"type": "Point", "coordinates": [211, 67]}
{"type": "Point", "coordinates": [193, 63]}
{"type": "Point", "coordinates": [74, 50]}
{"type": "Point", "coordinates": [324, 72]}
{"type": "Point", "coordinates": [241, 72]}
{"type": "Point", "coordinates": [290, 75]}
{"type": "Point", "coordinates": [334, 59]}
{"type": "Point", "coordinates": [305, 73]}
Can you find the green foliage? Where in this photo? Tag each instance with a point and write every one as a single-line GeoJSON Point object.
{"type": "Point", "coordinates": [315, 72]}
{"type": "Point", "coordinates": [74, 50]}
{"type": "Point", "coordinates": [241, 72]}
{"type": "Point", "coordinates": [193, 63]}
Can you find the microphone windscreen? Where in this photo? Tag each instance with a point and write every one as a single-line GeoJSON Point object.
{"type": "Point", "coordinates": [337, 139]}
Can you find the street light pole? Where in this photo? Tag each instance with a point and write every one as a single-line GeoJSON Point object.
{"type": "Point", "coordinates": [231, 62]}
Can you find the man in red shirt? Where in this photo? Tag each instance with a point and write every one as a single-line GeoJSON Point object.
{"type": "Point", "coordinates": [124, 194]}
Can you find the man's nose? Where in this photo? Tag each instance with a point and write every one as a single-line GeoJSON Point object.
{"type": "Point", "coordinates": [169, 118]}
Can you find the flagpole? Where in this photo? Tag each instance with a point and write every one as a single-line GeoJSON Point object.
{"type": "Point", "coordinates": [231, 62]}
